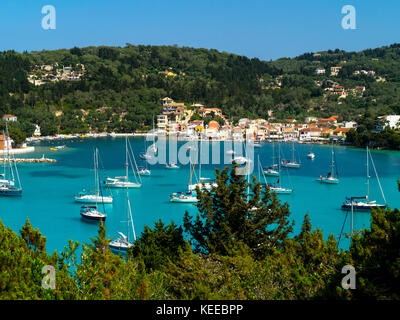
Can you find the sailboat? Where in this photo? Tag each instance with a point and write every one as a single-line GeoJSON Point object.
{"type": "Point", "coordinates": [153, 147]}
{"type": "Point", "coordinates": [187, 196]}
{"type": "Point", "coordinates": [122, 244]}
{"type": "Point", "coordinates": [271, 171]}
{"type": "Point", "coordinates": [144, 171]}
{"type": "Point", "coordinates": [203, 182]}
{"type": "Point", "coordinates": [277, 187]}
{"type": "Point", "coordinates": [145, 155]}
{"type": "Point", "coordinates": [311, 154]}
{"type": "Point", "coordinates": [352, 204]}
{"type": "Point", "coordinates": [96, 196]}
{"type": "Point", "coordinates": [7, 185]}
{"type": "Point", "coordinates": [330, 177]}
{"type": "Point", "coordinates": [123, 182]}
{"type": "Point", "coordinates": [291, 163]}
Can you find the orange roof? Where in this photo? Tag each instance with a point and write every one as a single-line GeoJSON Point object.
{"type": "Point", "coordinates": [333, 118]}
{"type": "Point", "coordinates": [213, 124]}
{"type": "Point", "coordinates": [8, 116]}
{"type": "Point", "coordinates": [310, 130]}
{"type": "Point", "coordinates": [341, 130]}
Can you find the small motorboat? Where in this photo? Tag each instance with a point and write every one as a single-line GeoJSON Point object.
{"type": "Point", "coordinates": [143, 171]}
{"type": "Point", "coordinates": [184, 197]}
{"type": "Point", "coordinates": [270, 171]}
{"type": "Point", "coordinates": [121, 182]}
{"type": "Point", "coordinates": [171, 166]}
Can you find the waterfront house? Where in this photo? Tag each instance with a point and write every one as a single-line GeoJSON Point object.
{"type": "Point", "coordinates": [162, 121]}
{"type": "Point", "coordinates": [212, 129]}
{"type": "Point", "coordinates": [326, 132]}
{"type": "Point", "coordinates": [243, 122]}
{"type": "Point", "coordinates": [289, 133]}
{"type": "Point", "coordinates": [341, 132]}
{"type": "Point", "coordinates": [225, 132]}
{"type": "Point", "coordinates": [237, 134]}
{"type": "Point", "coordinates": [309, 133]}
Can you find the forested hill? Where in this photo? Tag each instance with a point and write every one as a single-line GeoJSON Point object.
{"type": "Point", "coordinates": [120, 89]}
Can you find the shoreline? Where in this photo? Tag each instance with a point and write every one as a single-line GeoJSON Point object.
{"type": "Point", "coordinates": [323, 141]}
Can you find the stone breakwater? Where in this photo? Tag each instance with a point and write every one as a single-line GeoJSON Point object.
{"type": "Point", "coordinates": [26, 160]}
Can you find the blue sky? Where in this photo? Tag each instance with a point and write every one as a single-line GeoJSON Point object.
{"type": "Point", "coordinates": [256, 28]}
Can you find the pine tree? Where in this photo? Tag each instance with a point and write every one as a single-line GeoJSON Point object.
{"type": "Point", "coordinates": [230, 215]}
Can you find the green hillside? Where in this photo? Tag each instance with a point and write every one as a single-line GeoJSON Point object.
{"type": "Point", "coordinates": [121, 88]}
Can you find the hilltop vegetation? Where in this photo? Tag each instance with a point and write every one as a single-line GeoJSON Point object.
{"type": "Point", "coordinates": [122, 87]}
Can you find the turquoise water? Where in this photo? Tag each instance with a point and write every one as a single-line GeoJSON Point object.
{"type": "Point", "coordinates": [49, 189]}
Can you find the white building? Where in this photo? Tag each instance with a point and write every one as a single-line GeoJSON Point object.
{"type": "Point", "coordinates": [392, 121]}
{"type": "Point", "coordinates": [9, 117]}
{"type": "Point", "coordinates": [349, 124]}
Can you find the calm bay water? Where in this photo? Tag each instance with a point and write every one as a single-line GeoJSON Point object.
{"type": "Point", "coordinates": [49, 189]}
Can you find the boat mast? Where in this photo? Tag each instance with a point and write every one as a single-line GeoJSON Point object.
{"type": "Point", "coordinates": [95, 175]}
{"type": "Point", "coordinates": [367, 176]}
{"type": "Point", "coordinates": [127, 207]}
{"type": "Point", "coordinates": [273, 155]}
{"type": "Point", "coordinates": [194, 166]}
{"type": "Point", "coordinates": [10, 170]}
{"type": "Point", "coordinates": [293, 161]}
{"type": "Point", "coordinates": [126, 159]}
{"type": "Point", "coordinates": [200, 160]}
{"type": "Point", "coordinates": [333, 165]}
{"type": "Point", "coordinates": [4, 154]}
{"type": "Point", "coordinates": [279, 164]}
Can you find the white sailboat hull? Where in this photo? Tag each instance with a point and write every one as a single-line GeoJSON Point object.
{"type": "Point", "coordinates": [123, 184]}
{"type": "Point", "coordinates": [93, 199]}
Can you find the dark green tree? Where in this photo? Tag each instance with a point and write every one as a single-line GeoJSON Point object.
{"type": "Point", "coordinates": [155, 247]}
{"type": "Point", "coordinates": [229, 214]}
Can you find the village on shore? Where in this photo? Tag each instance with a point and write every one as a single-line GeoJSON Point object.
{"type": "Point", "coordinates": [198, 122]}
{"type": "Point", "coordinates": [178, 120]}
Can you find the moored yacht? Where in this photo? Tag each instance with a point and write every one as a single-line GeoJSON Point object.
{"type": "Point", "coordinates": [91, 213]}
{"type": "Point", "coordinates": [367, 205]}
